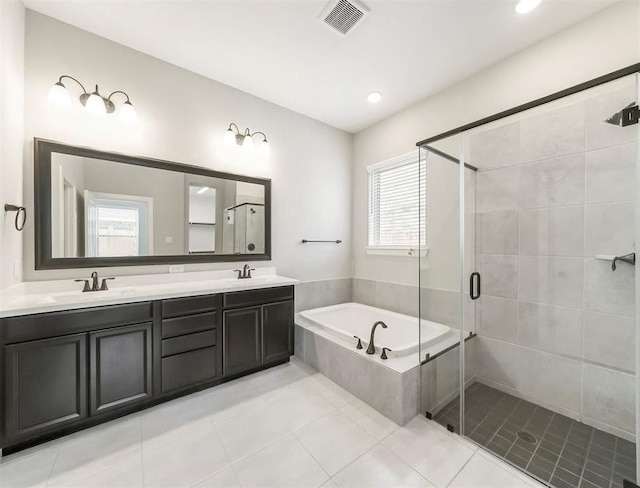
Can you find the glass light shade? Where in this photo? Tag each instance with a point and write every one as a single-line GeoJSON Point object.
{"type": "Point", "coordinates": [229, 137]}
{"type": "Point", "coordinates": [247, 143]}
{"type": "Point", "coordinates": [265, 148]}
{"type": "Point", "coordinates": [128, 113]}
{"type": "Point", "coordinates": [95, 105]}
{"type": "Point", "coordinates": [59, 96]}
{"type": "Point", "coordinates": [526, 6]}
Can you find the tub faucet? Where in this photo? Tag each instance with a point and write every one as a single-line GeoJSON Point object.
{"type": "Point", "coordinates": [372, 347]}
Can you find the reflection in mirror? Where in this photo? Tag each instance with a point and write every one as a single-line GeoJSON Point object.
{"type": "Point", "coordinates": [103, 208]}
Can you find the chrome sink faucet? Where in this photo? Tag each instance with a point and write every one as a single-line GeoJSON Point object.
{"type": "Point", "coordinates": [94, 283]}
{"type": "Point", "coordinates": [245, 272]}
{"type": "Point", "coordinates": [372, 347]}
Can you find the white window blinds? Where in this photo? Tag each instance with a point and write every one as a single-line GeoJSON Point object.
{"type": "Point", "coordinates": [397, 203]}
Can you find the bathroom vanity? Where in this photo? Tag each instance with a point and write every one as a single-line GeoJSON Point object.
{"type": "Point", "coordinates": [75, 356]}
{"type": "Point", "coordinates": [67, 369]}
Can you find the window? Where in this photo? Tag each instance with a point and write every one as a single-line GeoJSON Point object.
{"type": "Point", "coordinates": [397, 205]}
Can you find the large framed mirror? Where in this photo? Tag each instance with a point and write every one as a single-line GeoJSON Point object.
{"type": "Point", "coordinates": [96, 208]}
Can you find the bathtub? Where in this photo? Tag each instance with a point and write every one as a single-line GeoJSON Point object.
{"type": "Point", "coordinates": [354, 319]}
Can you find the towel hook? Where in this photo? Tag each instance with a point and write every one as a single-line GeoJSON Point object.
{"type": "Point", "coordinates": [20, 211]}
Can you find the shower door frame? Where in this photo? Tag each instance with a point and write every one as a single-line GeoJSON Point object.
{"type": "Point", "coordinates": [424, 144]}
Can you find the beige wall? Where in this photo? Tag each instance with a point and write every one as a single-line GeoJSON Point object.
{"type": "Point", "coordinates": [11, 136]}
{"type": "Point", "coordinates": [608, 41]}
{"type": "Point", "coordinates": [182, 117]}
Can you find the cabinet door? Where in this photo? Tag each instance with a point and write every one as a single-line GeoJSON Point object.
{"type": "Point", "coordinates": [277, 331]}
{"type": "Point", "coordinates": [120, 367]}
{"type": "Point", "coordinates": [46, 385]}
{"type": "Point", "coordinates": [242, 343]}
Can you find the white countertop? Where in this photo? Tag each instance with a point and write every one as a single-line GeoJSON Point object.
{"type": "Point", "coordinates": [48, 296]}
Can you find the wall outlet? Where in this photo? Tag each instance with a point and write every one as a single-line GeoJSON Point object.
{"type": "Point", "coordinates": [176, 268]}
{"type": "Point", "coordinates": [168, 240]}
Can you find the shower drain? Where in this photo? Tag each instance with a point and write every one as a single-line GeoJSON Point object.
{"type": "Point", "coordinates": [527, 437]}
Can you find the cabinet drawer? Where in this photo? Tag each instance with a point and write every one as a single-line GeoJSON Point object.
{"type": "Point", "coordinates": [189, 324]}
{"type": "Point", "coordinates": [189, 342]}
{"type": "Point", "coordinates": [256, 297]}
{"type": "Point", "coordinates": [55, 324]}
{"type": "Point", "coordinates": [188, 369]}
{"type": "Point", "coordinates": [189, 305]}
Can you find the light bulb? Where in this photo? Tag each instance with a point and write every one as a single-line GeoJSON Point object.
{"type": "Point", "coordinates": [229, 137]}
{"type": "Point", "coordinates": [59, 96]}
{"type": "Point", "coordinates": [265, 148]}
{"type": "Point", "coordinates": [95, 105]}
{"type": "Point", "coordinates": [128, 113]}
{"type": "Point", "coordinates": [526, 6]}
{"type": "Point", "coordinates": [247, 143]}
{"type": "Point", "coordinates": [374, 97]}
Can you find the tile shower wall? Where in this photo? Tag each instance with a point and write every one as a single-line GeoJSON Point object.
{"type": "Point", "coordinates": [555, 324]}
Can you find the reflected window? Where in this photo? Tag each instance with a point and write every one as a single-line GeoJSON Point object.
{"type": "Point", "coordinates": [118, 225]}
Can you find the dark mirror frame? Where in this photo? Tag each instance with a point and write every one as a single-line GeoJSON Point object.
{"type": "Point", "coordinates": [42, 200]}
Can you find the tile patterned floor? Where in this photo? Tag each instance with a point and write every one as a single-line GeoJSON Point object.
{"type": "Point", "coordinates": [285, 427]}
{"type": "Point", "coordinates": [566, 453]}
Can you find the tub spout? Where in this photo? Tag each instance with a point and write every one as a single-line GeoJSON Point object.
{"type": "Point", "coordinates": [372, 347]}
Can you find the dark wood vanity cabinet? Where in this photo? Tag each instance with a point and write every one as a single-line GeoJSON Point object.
{"type": "Point", "coordinates": [64, 371]}
{"type": "Point", "coordinates": [259, 334]}
{"type": "Point", "coordinates": [63, 367]}
{"type": "Point", "coordinates": [45, 385]}
{"type": "Point", "coordinates": [190, 345]}
{"type": "Point", "coordinates": [120, 364]}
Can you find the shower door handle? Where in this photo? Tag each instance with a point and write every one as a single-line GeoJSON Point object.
{"type": "Point", "coordinates": [475, 285]}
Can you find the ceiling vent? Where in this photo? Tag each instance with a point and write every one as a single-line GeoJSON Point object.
{"type": "Point", "coordinates": [343, 15]}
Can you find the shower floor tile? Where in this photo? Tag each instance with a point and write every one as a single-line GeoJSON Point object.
{"type": "Point", "coordinates": [557, 450]}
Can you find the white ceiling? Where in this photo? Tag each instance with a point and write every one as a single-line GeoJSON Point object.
{"type": "Point", "coordinates": [279, 51]}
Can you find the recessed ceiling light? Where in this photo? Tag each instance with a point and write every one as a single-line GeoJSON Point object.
{"type": "Point", "coordinates": [526, 6]}
{"type": "Point", "coordinates": [374, 97]}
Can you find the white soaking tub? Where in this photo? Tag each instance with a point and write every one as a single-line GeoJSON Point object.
{"type": "Point", "coordinates": [354, 319]}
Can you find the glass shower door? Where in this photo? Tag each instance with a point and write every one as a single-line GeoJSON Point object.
{"type": "Point", "coordinates": [551, 386]}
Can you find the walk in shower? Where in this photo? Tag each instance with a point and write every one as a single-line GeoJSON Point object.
{"type": "Point", "coordinates": [521, 261]}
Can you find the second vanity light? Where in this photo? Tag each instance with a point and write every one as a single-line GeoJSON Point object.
{"type": "Point", "coordinates": [94, 103]}
{"type": "Point", "coordinates": [245, 139]}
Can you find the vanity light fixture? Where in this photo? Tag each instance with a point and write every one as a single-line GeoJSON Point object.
{"type": "Point", "coordinates": [246, 139]}
{"type": "Point", "coordinates": [93, 102]}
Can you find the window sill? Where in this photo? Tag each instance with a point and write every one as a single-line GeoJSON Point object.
{"type": "Point", "coordinates": [405, 252]}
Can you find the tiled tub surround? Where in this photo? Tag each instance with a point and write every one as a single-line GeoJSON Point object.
{"type": "Point", "coordinates": [390, 386]}
{"type": "Point", "coordinates": [322, 293]}
{"type": "Point", "coordinates": [555, 325]}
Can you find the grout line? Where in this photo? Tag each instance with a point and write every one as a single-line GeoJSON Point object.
{"type": "Point", "coordinates": [461, 468]}
{"type": "Point", "coordinates": [55, 460]}
{"type": "Point", "coordinates": [141, 450]}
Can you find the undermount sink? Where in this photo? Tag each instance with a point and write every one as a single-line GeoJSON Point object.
{"type": "Point", "coordinates": [78, 296]}
{"type": "Point", "coordinates": [253, 280]}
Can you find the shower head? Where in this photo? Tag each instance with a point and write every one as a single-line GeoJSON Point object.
{"type": "Point", "coordinates": [618, 117]}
